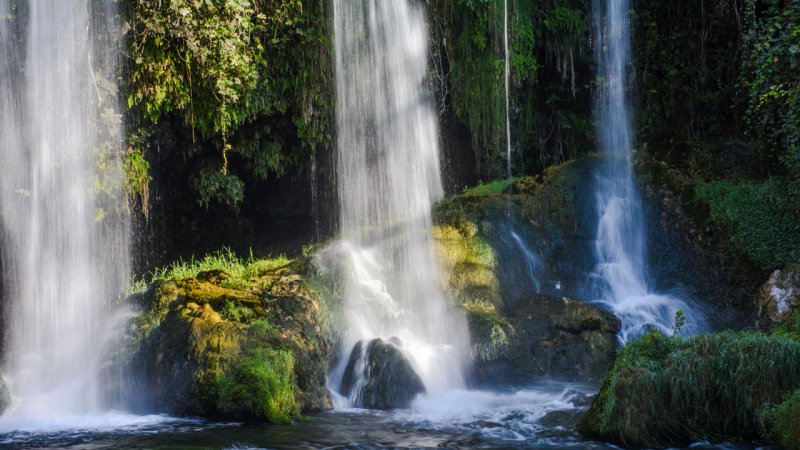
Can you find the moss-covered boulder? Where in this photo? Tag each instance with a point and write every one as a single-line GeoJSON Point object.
{"type": "Point", "coordinates": [686, 241]}
{"type": "Point", "coordinates": [667, 391]}
{"type": "Point", "coordinates": [249, 346]}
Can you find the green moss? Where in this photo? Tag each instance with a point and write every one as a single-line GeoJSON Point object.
{"type": "Point", "coordinates": [467, 262]}
{"type": "Point", "coordinates": [549, 85]}
{"type": "Point", "coordinates": [262, 385]}
{"type": "Point", "coordinates": [763, 216]}
{"type": "Point", "coordinates": [667, 391]}
{"type": "Point", "coordinates": [784, 422]}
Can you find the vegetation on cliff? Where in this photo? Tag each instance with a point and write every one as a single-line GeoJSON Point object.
{"type": "Point", "coordinates": [247, 82]}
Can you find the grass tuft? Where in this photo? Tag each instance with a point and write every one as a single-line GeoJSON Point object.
{"type": "Point", "coordinates": [239, 269]}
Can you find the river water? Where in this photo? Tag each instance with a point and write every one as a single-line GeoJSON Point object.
{"type": "Point", "coordinates": [530, 417]}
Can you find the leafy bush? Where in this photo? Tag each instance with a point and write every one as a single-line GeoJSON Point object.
{"type": "Point", "coordinates": [244, 77]}
{"type": "Point", "coordinates": [667, 391]}
{"type": "Point", "coordinates": [764, 218]}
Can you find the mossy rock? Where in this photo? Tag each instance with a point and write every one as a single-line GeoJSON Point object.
{"type": "Point", "coordinates": [668, 391]}
{"type": "Point", "coordinates": [249, 349]}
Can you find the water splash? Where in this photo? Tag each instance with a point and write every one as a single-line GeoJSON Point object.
{"type": "Point", "coordinates": [388, 177]}
{"type": "Point", "coordinates": [65, 248]}
{"type": "Point", "coordinates": [621, 273]}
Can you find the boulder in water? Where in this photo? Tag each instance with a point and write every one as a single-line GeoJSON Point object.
{"type": "Point", "coordinates": [382, 375]}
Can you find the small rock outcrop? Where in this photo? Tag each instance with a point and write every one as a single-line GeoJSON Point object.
{"type": "Point", "coordinates": [778, 297]}
{"type": "Point", "coordinates": [380, 376]}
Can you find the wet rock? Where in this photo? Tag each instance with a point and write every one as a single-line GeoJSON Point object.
{"type": "Point", "coordinates": [564, 418]}
{"type": "Point", "coordinates": [778, 297]}
{"type": "Point", "coordinates": [543, 335]}
{"type": "Point", "coordinates": [382, 374]}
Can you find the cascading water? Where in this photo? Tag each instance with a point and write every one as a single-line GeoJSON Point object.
{"type": "Point", "coordinates": [65, 248]}
{"type": "Point", "coordinates": [388, 177]}
{"type": "Point", "coordinates": [622, 269]}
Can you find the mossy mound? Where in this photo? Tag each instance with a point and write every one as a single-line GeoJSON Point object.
{"type": "Point", "coordinates": [665, 391]}
{"type": "Point", "coordinates": [247, 345]}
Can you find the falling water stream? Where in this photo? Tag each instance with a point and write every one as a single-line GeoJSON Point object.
{"type": "Point", "coordinates": [64, 246]}
{"type": "Point", "coordinates": [388, 178]}
{"type": "Point", "coordinates": [621, 271]}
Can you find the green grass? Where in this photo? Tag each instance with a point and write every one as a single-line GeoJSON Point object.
{"type": "Point", "coordinates": [764, 218]}
{"type": "Point", "coordinates": [240, 269]}
{"type": "Point", "coordinates": [669, 391]}
{"type": "Point", "coordinates": [492, 188]}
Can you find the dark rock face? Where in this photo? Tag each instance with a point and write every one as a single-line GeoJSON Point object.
{"type": "Point", "coordinates": [383, 375]}
{"type": "Point", "coordinates": [544, 336]}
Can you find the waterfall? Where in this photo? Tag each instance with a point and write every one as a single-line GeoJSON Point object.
{"type": "Point", "coordinates": [621, 271]}
{"type": "Point", "coordinates": [64, 237]}
{"type": "Point", "coordinates": [388, 177]}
